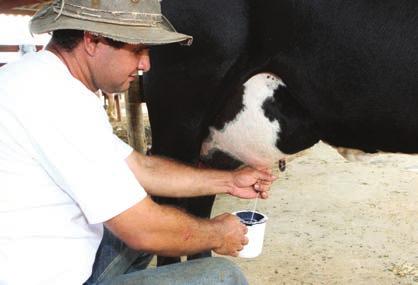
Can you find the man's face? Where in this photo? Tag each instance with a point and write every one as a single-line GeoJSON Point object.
{"type": "Point", "coordinates": [113, 69]}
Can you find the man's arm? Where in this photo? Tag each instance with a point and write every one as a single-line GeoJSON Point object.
{"type": "Point", "coordinates": [168, 231]}
{"type": "Point", "coordinates": [164, 177]}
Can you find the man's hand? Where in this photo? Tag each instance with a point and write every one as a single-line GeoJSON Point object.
{"type": "Point", "coordinates": [249, 182]}
{"type": "Point", "coordinates": [232, 233]}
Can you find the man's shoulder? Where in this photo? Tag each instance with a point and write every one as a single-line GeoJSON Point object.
{"type": "Point", "coordinates": [37, 76]}
{"type": "Point", "coordinates": [30, 71]}
{"type": "Point", "coordinates": [38, 86]}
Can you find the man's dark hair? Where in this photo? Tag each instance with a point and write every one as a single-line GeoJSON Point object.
{"type": "Point", "coordinates": [69, 39]}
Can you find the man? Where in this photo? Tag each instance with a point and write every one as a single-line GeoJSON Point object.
{"type": "Point", "coordinates": [63, 174]}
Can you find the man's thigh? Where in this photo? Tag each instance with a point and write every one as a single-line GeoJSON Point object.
{"type": "Point", "coordinates": [211, 270]}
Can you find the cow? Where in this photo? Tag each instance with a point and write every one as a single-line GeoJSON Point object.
{"type": "Point", "coordinates": [268, 78]}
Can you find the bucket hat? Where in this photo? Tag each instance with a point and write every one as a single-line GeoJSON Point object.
{"type": "Point", "coordinates": [128, 21]}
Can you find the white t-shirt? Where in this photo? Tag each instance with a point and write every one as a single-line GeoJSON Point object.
{"type": "Point", "coordinates": [62, 173]}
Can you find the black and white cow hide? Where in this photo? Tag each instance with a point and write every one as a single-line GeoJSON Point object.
{"type": "Point", "coordinates": [268, 78]}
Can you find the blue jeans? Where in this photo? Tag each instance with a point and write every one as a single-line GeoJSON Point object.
{"type": "Point", "coordinates": [117, 264]}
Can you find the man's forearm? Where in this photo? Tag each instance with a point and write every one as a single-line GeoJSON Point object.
{"type": "Point", "coordinates": [165, 230]}
{"type": "Point", "coordinates": [164, 177]}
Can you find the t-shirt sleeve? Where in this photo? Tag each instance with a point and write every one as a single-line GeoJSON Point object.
{"type": "Point", "coordinates": [121, 148]}
{"type": "Point", "coordinates": [81, 154]}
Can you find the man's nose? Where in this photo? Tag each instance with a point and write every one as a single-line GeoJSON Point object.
{"type": "Point", "coordinates": [144, 63]}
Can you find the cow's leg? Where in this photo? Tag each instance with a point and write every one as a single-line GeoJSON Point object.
{"type": "Point", "coordinates": [165, 260]}
{"type": "Point", "coordinates": [198, 206]}
{"type": "Point", "coordinates": [183, 83]}
{"type": "Point", "coordinates": [201, 207]}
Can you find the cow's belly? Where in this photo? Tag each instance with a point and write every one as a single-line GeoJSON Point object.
{"type": "Point", "coordinates": [250, 137]}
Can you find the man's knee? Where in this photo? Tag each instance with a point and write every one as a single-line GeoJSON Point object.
{"type": "Point", "coordinates": [224, 270]}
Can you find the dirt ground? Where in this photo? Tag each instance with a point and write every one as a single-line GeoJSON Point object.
{"type": "Point", "coordinates": [337, 222]}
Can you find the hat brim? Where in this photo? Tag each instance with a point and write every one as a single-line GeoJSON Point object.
{"type": "Point", "coordinates": [162, 33]}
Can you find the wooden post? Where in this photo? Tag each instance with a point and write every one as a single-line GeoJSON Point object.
{"type": "Point", "coordinates": [134, 116]}
{"type": "Point", "coordinates": [117, 103]}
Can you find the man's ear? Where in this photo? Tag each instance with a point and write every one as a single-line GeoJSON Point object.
{"type": "Point", "coordinates": [90, 43]}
